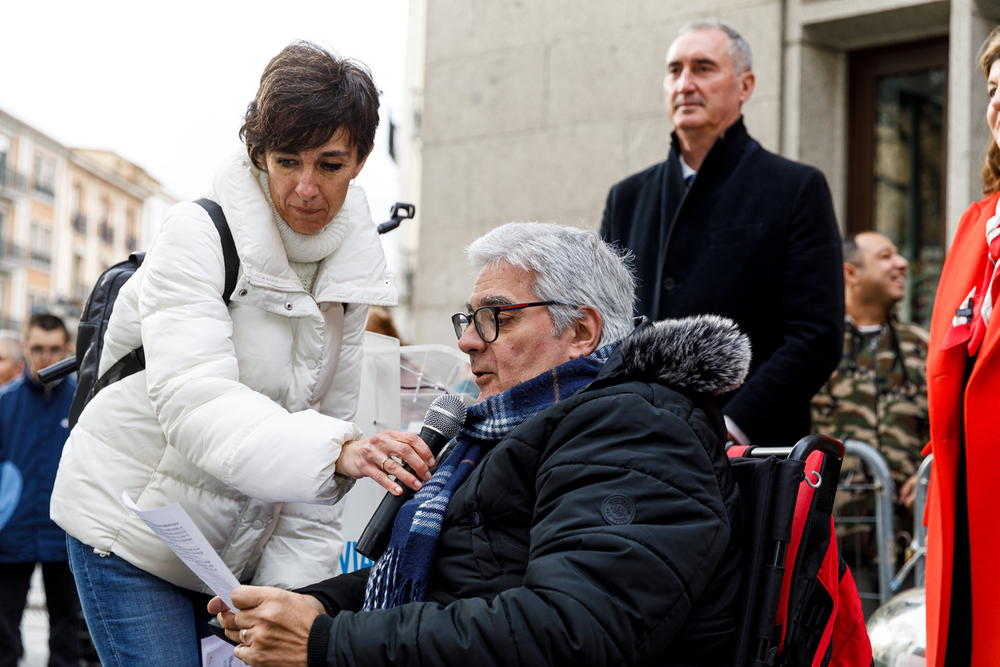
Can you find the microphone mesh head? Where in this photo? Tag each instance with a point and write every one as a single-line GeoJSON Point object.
{"type": "Point", "coordinates": [446, 415]}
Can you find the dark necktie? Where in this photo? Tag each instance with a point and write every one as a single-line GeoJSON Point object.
{"type": "Point", "coordinates": [690, 179]}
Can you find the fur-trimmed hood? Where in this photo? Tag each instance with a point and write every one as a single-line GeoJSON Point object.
{"type": "Point", "coordinates": [706, 354]}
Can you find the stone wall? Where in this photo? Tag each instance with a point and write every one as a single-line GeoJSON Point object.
{"type": "Point", "coordinates": [532, 109]}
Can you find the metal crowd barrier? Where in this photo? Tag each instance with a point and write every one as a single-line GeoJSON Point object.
{"type": "Point", "coordinates": [885, 534]}
{"type": "Point", "coordinates": [919, 543]}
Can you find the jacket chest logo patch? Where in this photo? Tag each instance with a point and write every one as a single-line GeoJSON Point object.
{"type": "Point", "coordinates": [618, 510]}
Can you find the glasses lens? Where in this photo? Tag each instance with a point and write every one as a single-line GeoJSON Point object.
{"type": "Point", "coordinates": [486, 324]}
{"type": "Point", "coordinates": [461, 322]}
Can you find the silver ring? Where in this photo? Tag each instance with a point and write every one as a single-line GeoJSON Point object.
{"type": "Point", "coordinates": [243, 636]}
{"type": "Point", "coordinates": [382, 465]}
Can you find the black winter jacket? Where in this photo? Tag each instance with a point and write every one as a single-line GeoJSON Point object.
{"type": "Point", "coordinates": [605, 530]}
{"type": "Point", "coordinates": [754, 239]}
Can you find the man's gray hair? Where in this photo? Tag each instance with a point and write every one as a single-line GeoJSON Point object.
{"type": "Point", "coordinates": [568, 265]}
{"type": "Point", "coordinates": [739, 50]}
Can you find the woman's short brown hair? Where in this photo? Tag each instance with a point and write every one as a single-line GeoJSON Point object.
{"type": "Point", "coordinates": [991, 170]}
{"type": "Point", "coordinates": [306, 95]}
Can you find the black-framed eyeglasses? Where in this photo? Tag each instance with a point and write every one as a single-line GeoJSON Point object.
{"type": "Point", "coordinates": [486, 318]}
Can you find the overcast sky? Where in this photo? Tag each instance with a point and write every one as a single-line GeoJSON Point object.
{"type": "Point", "coordinates": [165, 85]}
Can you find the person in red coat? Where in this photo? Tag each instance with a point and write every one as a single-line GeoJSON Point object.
{"type": "Point", "coordinates": [963, 374]}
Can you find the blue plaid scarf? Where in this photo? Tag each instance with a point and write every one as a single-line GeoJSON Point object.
{"type": "Point", "coordinates": [401, 574]}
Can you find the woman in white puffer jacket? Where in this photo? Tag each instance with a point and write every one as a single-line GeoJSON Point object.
{"type": "Point", "coordinates": [242, 414]}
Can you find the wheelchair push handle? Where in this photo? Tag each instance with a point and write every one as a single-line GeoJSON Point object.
{"type": "Point", "coordinates": [802, 449]}
{"type": "Point", "coordinates": [58, 370]}
{"type": "Point", "coordinates": [397, 214]}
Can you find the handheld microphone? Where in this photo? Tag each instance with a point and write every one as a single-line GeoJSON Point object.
{"type": "Point", "coordinates": [443, 420]}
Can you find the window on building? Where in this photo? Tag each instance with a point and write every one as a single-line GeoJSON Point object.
{"type": "Point", "coordinates": [6, 321]}
{"type": "Point", "coordinates": [5, 157]}
{"type": "Point", "coordinates": [105, 229]}
{"type": "Point", "coordinates": [77, 216]}
{"type": "Point", "coordinates": [45, 175]}
{"type": "Point", "coordinates": [897, 129]}
{"type": "Point", "coordinates": [80, 290]}
{"type": "Point", "coordinates": [6, 251]}
{"type": "Point", "coordinates": [9, 176]}
{"type": "Point", "coordinates": [132, 239]}
{"type": "Point", "coordinates": [41, 243]}
{"type": "Point", "coordinates": [38, 302]}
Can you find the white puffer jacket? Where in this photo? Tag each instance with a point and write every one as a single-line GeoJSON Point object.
{"type": "Point", "coordinates": [241, 413]}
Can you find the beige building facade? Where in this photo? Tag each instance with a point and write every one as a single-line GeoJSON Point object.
{"type": "Point", "coordinates": [32, 169]}
{"type": "Point", "coordinates": [533, 110]}
{"type": "Point", "coordinates": [65, 216]}
{"type": "Point", "coordinates": [106, 196]}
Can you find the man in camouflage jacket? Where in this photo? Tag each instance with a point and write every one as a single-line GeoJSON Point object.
{"type": "Point", "coordinates": [878, 393]}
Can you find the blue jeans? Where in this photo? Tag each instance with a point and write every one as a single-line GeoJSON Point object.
{"type": "Point", "coordinates": [134, 617]}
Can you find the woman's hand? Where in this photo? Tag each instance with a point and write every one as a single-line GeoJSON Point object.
{"type": "Point", "coordinates": [372, 457]}
{"type": "Point", "coordinates": [272, 625]}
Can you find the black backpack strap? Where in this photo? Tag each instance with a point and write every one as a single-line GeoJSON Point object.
{"type": "Point", "coordinates": [135, 361]}
{"type": "Point", "coordinates": [231, 259]}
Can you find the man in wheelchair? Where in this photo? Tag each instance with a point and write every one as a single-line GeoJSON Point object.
{"type": "Point", "coordinates": [586, 514]}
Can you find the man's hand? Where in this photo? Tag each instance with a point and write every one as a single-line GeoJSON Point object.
{"type": "Point", "coordinates": [372, 457]}
{"type": "Point", "coordinates": [908, 492]}
{"type": "Point", "coordinates": [276, 625]}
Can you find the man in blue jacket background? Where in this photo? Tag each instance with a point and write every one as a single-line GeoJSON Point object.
{"type": "Point", "coordinates": [33, 429]}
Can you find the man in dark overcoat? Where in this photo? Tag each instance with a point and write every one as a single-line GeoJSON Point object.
{"type": "Point", "coordinates": [725, 227]}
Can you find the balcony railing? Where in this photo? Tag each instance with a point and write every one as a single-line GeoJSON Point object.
{"type": "Point", "coordinates": [41, 258]}
{"type": "Point", "coordinates": [12, 181]}
{"type": "Point", "coordinates": [107, 233]}
{"type": "Point", "coordinates": [10, 252]}
{"type": "Point", "coordinates": [45, 189]}
{"type": "Point", "coordinates": [80, 223]}
{"type": "Point", "coordinates": [9, 324]}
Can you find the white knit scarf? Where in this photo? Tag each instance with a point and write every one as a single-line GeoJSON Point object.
{"type": "Point", "coordinates": [305, 251]}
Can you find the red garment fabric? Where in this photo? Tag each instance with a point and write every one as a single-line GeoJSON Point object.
{"type": "Point", "coordinates": [850, 642]}
{"type": "Point", "coordinates": [962, 413]}
{"type": "Point", "coordinates": [973, 330]}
